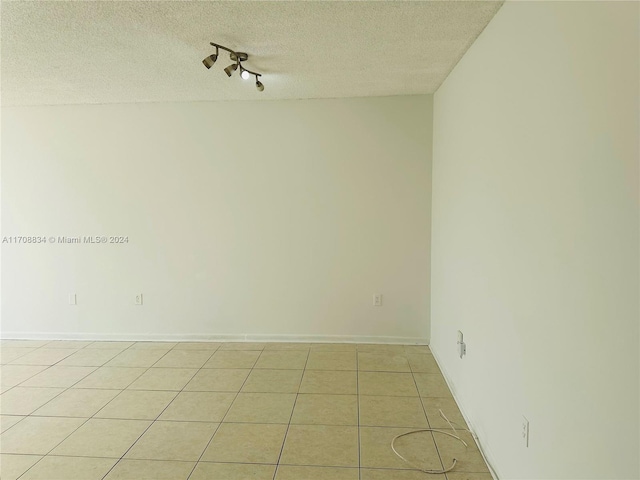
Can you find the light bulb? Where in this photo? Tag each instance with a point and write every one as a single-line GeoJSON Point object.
{"type": "Point", "coordinates": [245, 75]}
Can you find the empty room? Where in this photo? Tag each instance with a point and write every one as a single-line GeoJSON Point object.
{"type": "Point", "coordinates": [320, 240]}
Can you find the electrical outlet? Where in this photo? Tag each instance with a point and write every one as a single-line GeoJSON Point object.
{"type": "Point", "coordinates": [139, 299]}
{"type": "Point", "coordinates": [462, 347]}
{"type": "Point", "coordinates": [525, 431]}
{"type": "Point", "coordinates": [377, 300]}
{"type": "Point", "coordinates": [73, 299]}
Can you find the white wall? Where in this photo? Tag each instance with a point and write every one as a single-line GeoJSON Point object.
{"type": "Point", "coordinates": [535, 238]}
{"type": "Point", "coordinates": [258, 218]}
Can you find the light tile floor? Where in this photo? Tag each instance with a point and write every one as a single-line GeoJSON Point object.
{"type": "Point", "coordinates": [153, 410]}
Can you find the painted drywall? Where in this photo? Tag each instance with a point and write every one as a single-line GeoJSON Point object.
{"type": "Point", "coordinates": [268, 219]}
{"type": "Point", "coordinates": [535, 238]}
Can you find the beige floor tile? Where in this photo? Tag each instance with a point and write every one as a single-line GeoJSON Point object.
{"type": "Point", "coordinates": [24, 401]}
{"type": "Point", "coordinates": [102, 438]}
{"type": "Point", "coordinates": [184, 359]}
{"type": "Point", "coordinates": [8, 354]}
{"type": "Point", "coordinates": [12, 466]}
{"type": "Point", "coordinates": [110, 345]}
{"type": "Point", "coordinates": [90, 357]}
{"type": "Point", "coordinates": [257, 346]}
{"type": "Point", "coordinates": [58, 376]}
{"type": "Point", "coordinates": [333, 347]}
{"type": "Point", "coordinates": [315, 409]}
{"type": "Point", "coordinates": [273, 381]}
{"type": "Point", "coordinates": [392, 412]}
{"type": "Point", "coordinates": [469, 459]}
{"type": "Point", "coordinates": [183, 441]}
{"type": "Point", "coordinates": [218, 380]}
{"type": "Point", "coordinates": [376, 452]}
{"type": "Point", "coordinates": [321, 445]}
{"type": "Point", "coordinates": [469, 476]}
{"type": "Point", "coordinates": [387, 383]}
{"type": "Point", "coordinates": [111, 378]}
{"type": "Point", "coordinates": [77, 402]}
{"type": "Point", "coordinates": [12, 375]}
{"type": "Point", "coordinates": [261, 408]}
{"type": "Point", "coordinates": [376, 362]}
{"type": "Point", "coordinates": [417, 349]}
{"type": "Point", "coordinates": [385, 474]}
{"type": "Point", "coordinates": [381, 349]}
{"type": "Point", "coordinates": [431, 385]}
{"type": "Point", "coordinates": [319, 360]}
{"type": "Point", "coordinates": [8, 421]}
{"type": "Point", "coordinates": [433, 405]}
{"type": "Point", "coordinates": [232, 359]}
{"type": "Point", "coordinates": [150, 470]}
{"type": "Point", "coordinates": [166, 346]}
{"type": "Point", "coordinates": [137, 357]}
{"type": "Point", "coordinates": [37, 435]}
{"type": "Point", "coordinates": [137, 405]}
{"type": "Point", "coordinates": [69, 468]}
{"type": "Point", "coordinates": [163, 379]}
{"type": "Point", "coordinates": [294, 472]}
{"type": "Point", "coordinates": [68, 344]}
{"type": "Point", "coordinates": [199, 407]}
{"type": "Point", "coordinates": [282, 359]}
{"type": "Point", "coordinates": [211, 346]}
{"type": "Point", "coordinates": [246, 443]}
{"type": "Point", "coordinates": [287, 346]}
{"type": "Point", "coordinates": [327, 381]}
{"type": "Point", "coordinates": [396, 383]}
{"type": "Point", "coordinates": [422, 363]}
{"type": "Point", "coordinates": [233, 471]}
{"type": "Point", "coordinates": [44, 356]}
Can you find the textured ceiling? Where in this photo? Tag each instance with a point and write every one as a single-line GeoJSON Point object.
{"type": "Point", "coordinates": [84, 52]}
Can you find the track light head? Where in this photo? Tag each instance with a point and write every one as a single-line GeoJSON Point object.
{"type": "Point", "coordinates": [259, 85]}
{"type": "Point", "coordinates": [244, 74]}
{"type": "Point", "coordinates": [230, 69]}
{"type": "Point", "coordinates": [210, 60]}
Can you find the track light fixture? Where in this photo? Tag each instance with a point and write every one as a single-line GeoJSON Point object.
{"type": "Point", "coordinates": [237, 58]}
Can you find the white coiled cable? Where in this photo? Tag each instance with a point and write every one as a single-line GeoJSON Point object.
{"type": "Point", "coordinates": [430, 430]}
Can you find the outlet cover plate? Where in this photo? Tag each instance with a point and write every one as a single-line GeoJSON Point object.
{"type": "Point", "coordinates": [525, 431]}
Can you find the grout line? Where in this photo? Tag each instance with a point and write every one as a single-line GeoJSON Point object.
{"type": "Point", "coordinates": [286, 433]}
{"type": "Point", "coordinates": [234, 422]}
{"type": "Point", "coordinates": [433, 439]}
{"type": "Point", "coordinates": [9, 428]}
{"type": "Point", "coordinates": [358, 412]}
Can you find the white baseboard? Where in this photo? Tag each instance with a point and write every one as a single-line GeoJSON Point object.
{"type": "Point", "coordinates": [141, 337]}
{"type": "Point", "coordinates": [484, 449]}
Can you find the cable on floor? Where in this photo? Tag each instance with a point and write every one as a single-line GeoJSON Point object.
{"type": "Point", "coordinates": [433, 430]}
